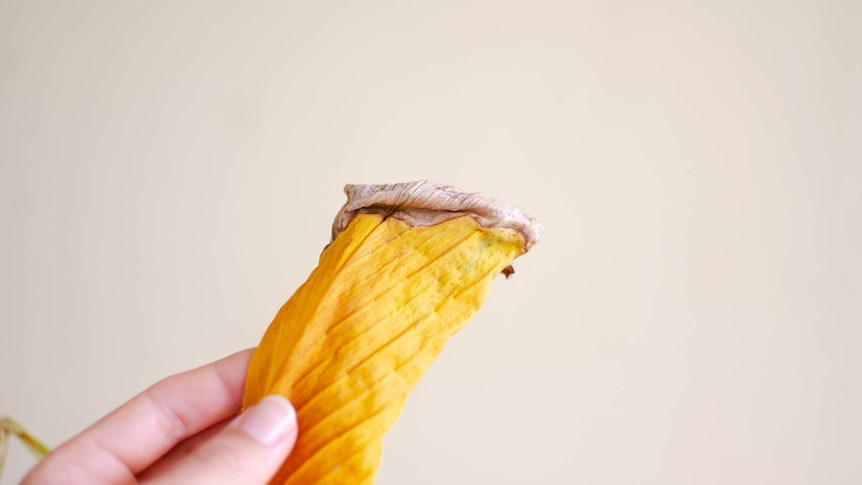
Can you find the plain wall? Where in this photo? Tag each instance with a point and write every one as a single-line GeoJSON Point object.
{"type": "Point", "coordinates": [169, 172]}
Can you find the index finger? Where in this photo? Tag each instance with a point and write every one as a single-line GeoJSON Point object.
{"type": "Point", "coordinates": [139, 432]}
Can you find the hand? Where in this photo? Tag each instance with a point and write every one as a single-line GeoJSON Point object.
{"type": "Point", "coordinates": [184, 429]}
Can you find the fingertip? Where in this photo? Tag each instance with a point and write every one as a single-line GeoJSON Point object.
{"type": "Point", "coordinates": [270, 422]}
{"type": "Point", "coordinates": [247, 451]}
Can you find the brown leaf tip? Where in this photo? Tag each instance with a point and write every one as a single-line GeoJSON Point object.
{"type": "Point", "coordinates": [426, 203]}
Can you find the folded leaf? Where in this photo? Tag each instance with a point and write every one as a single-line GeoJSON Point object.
{"type": "Point", "coordinates": [400, 277]}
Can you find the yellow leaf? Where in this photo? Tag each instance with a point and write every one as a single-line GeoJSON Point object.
{"type": "Point", "coordinates": [358, 335]}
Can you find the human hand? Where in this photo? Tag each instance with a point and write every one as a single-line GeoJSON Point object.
{"type": "Point", "coordinates": [184, 429]}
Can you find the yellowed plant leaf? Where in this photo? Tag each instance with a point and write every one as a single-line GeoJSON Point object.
{"type": "Point", "coordinates": [358, 335]}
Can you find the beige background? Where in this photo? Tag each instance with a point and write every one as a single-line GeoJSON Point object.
{"type": "Point", "coordinates": [169, 171]}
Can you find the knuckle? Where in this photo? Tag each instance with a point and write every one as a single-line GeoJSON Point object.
{"type": "Point", "coordinates": [169, 422]}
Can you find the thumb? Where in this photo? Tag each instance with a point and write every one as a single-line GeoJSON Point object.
{"type": "Point", "coordinates": [247, 451]}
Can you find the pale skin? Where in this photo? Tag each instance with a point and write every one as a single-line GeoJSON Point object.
{"type": "Point", "coordinates": [188, 428]}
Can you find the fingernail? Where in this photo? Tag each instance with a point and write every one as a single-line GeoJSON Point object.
{"type": "Point", "coordinates": [270, 421]}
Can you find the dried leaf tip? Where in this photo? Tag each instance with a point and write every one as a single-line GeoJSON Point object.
{"type": "Point", "coordinates": [426, 203]}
